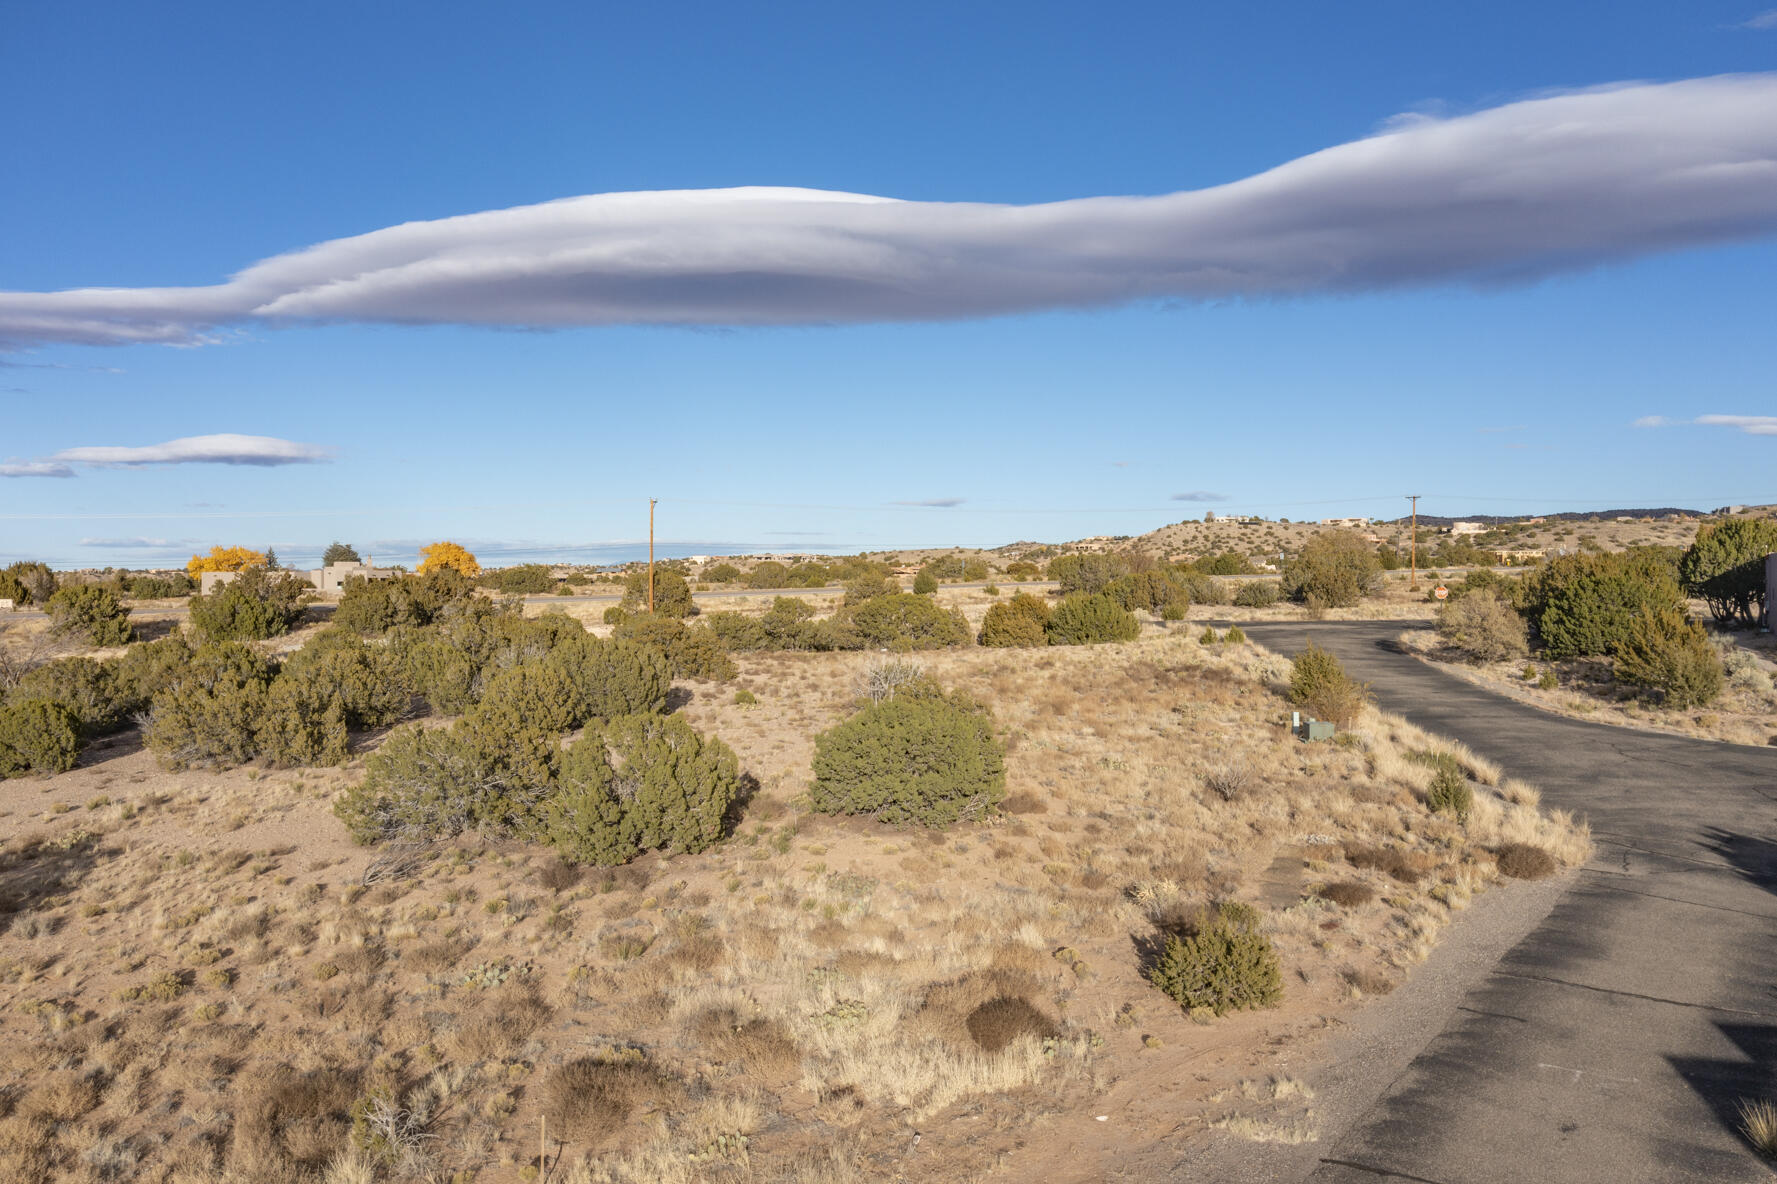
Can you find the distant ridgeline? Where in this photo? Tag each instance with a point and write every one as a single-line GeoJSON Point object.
{"type": "Point", "coordinates": [1583, 516]}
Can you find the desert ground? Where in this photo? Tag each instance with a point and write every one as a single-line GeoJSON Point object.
{"type": "Point", "coordinates": [204, 979]}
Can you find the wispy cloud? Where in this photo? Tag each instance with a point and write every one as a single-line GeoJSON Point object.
{"type": "Point", "coordinates": [1763, 22]}
{"type": "Point", "coordinates": [1200, 495]}
{"type": "Point", "coordinates": [938, 503]}
{"type": "Point", "coordinates": [1528, 189]}
{"type": "Point", "coordinates": [1752, 425]}
{"type": "Point", "coordinates": [34, 468]}
{"type": "Point", "coordinates": [225, 449]}
{"type": "Point", "coordinates": [140, 544]}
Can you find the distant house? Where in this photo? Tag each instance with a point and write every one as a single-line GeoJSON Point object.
{"type": "Point", "coordinates": [1468, 528]}
{"type": "Point", "coordinates": [1353, 523]}
{"type": "Point", "coordinates": [331, 578]}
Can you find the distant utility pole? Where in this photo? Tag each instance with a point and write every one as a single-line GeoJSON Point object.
{"type": "Point", "coordinates": [1413, 570]}
{"type": "Point", "coordinates": [651, 554]}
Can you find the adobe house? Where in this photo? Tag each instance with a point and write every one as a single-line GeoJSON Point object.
{"type": "Point", "coordinates": [331, 578]}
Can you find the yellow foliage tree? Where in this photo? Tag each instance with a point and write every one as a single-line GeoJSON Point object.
{"type": "Point", "coordinates": [449, 555]}
{"type": "Point", "coordinates": [225, 559]}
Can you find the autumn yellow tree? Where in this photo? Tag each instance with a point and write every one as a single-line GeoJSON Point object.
{"type": "Point", "coordinates": [450, 555]}
{"type": "Point", "coordinates": [225, 559]}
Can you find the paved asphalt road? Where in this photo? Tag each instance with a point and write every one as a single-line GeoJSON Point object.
{"type": "Point", "coordinates": [1614, 1041]}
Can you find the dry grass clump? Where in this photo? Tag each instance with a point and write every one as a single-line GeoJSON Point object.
{"type": "Point", "coordinates": [1407, 867]}
{"type": "Point", "coordinates": [591, 1099]}
{"type": "Point", "coordinates": [496, 1023]}
{"type": "Point", "coordinates": [291, 1122]}
{"type": "Point", "coordinates": [760, 1044]}
{"type": "Point", "coordinates": [1004, 1018]}
{"type": "Point", "coordinates": [1368, 981]}
{"type": "Point", "coordinates": [1758, 1122]}
{"type": "Point", "coordinates": [1521, 861]}
{"type": "Point", "coordinates": [1347, 893]}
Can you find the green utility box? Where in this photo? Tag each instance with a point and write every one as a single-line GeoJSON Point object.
{"type": "Point", "coordinates": [1317, 729]}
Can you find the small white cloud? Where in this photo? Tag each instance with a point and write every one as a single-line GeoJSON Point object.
{"type": "Point", "coordinates": [1763, 22]}
{"type": "Point", "coordinates": [224, 449]}
{"type": "Point", "coordinates": [1752, 425]}
{"type": "Point", "coordinates": [1652, 421]}
{"type": "Point", "coordinates": [937, 503]}
{"type": "Point", "coordinates": [1200, 495]}
{"type": "Point", "coordinates": [34, 468]}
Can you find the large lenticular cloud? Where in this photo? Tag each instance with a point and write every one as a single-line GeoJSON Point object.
{"type": "Point", "coordinates": [1512, 193]}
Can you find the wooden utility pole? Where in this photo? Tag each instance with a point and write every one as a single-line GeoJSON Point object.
{"type": "Point", "coordinates": [1413, 570]}
{"type": "Point", "coordinates": [651, 554]}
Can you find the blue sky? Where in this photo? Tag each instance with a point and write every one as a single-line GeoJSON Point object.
{"type": "Point", "coordinates": [158, 148]}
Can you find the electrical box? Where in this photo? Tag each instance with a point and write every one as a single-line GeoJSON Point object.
{"type": "Point", "coordinates": [1317, 729]}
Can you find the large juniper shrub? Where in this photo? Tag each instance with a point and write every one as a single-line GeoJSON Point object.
{"type": "Point", "coordinates": [1336, 569]}
{"type": "Point", "coordinates": [90, 612]}
{"type": "Point", "coordinates": [84, 686]}
{"type": "Point", "coordinates": [908, 621]}
{"type": "Point", "coordinates": [1081, 619]}
{"type": "Point", "coordinates": [255, 605]}
{"type": "Point", "coordinates": [432, 783]}
{"type": "Point", "coordinates": [642, 782]}
{"type": "Point", "coordinates": [930, 759]}
{"type": "Point", "coordinates": [1020, 621]}
{"type": "Point", "coordinates": [37, 736]}
{"type": "Point", "coordinates": [1668, 654]}
{"type": "Point", "coordinates": [210, 711]}
{"type": "Point", "coordinates": [692, 651]}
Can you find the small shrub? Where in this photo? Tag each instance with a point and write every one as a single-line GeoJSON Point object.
{"type": "Point", "coordinates": [991, 590]}
{"type": "Point", "coordinates": [929, 759]}
{"type": "Point", "coordinates": [721, 573]}
{"type": "Point", "coordinates": [881, 679]}
{"type": "Point", "coordinates": [1208, 636]}
{"type": "Point", "coordinates": [745, 698]}
{"type": "Point", "coordinates": [1020, 621]}
{"type": "Point", "coordinates": [1523, 861]}
{"type": "Point", "coordinates": [1224, 968]}
{"type": "Point", "coordinates": [615, 615]}
{"type": "Point", "coordinates": [1257, 594]}
{"type": "Point", "coordinates": [1227, 782]}
{"type": "Point", "coordinates": [1483, 626]}
{"type": "Point", "coordinates": [1320, 686]}
{"type": "Point", "coordinates": [90, 612]}
{"type": "Point", "coordinates": [1449, 793]}
{"type": "Point", "coordinates": [925, 583]}
{"type": "Point", "coordinates": [1083, 619]}
{"type": "Point", "coordinates": [37, 736]}
{"type": "Point", "coordinates": [1758, 1123]}
{"type": "Point", "coordinates": [1236, 636]}
{"type": "Point", "coordinates": [1175, 610]}
{"type": "Point", "coordinates": [1548, 680]}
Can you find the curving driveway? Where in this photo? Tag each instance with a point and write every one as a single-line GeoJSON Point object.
{"type": "Point", "coordinates": [1614, 1041]}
